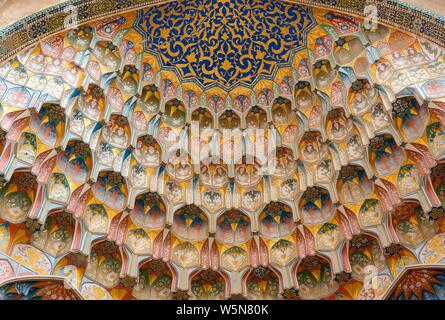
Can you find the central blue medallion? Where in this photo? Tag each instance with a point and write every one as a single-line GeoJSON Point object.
{"type": "Point", "coordinates": [224, 42]}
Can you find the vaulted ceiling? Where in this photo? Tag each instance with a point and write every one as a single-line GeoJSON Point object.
{"type": "Point", "coordinates": [332, 177]}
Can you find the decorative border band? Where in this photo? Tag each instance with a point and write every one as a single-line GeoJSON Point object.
{"type": "Point", "coordinates": [42, 24]}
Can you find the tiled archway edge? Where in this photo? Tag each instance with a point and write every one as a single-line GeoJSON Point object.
{"type": "Point", "coordinates": [31, 29]}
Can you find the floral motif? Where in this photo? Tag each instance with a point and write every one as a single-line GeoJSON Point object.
{"type": "Point", "coordinates": [416, 282]}
{"type": "Point", "coordinates": [181, 295]}
{"type": "Point", "coordinates": [290, 294]}
{"type": "Point", "coordinates": [234, 38]}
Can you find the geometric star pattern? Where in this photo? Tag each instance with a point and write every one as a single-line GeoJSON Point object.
{"type": "Point", "coordinates": [100, 184]}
